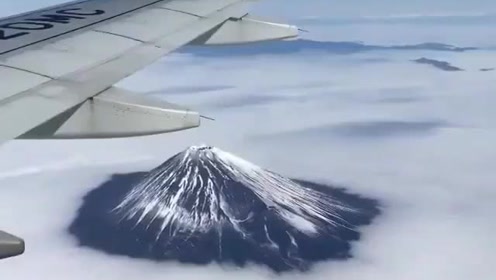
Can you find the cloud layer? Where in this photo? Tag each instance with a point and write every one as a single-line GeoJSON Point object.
{"type": "Point", "coordinates": [419, 139]}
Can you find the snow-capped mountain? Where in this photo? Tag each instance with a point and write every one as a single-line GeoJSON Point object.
{"type": "Point", "coordinates": [205, 205]}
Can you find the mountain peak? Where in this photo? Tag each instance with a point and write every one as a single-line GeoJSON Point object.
{"type": "Point", "coordinates": [200, 149]}
{"type": "Point", "coordinates": [200, 153]}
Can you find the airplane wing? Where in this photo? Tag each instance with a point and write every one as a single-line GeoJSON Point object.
{"type": "Point", "coordinates": [58, 66]}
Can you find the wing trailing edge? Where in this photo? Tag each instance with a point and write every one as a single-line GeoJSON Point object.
{"type": "Point", "coordinates": [117, 113]}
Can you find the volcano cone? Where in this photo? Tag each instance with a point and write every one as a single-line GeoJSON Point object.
{"type": "Point", "coordinates": [205, 205]}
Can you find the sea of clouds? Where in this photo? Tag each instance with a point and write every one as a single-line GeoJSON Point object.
{"type": "Point", "coordinates": [417, 138]}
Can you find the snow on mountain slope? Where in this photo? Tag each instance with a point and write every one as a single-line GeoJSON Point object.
{"type": "Point", "coordinates": [205, 205]}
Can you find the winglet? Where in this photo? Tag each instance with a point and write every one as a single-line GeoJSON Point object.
{"type": "Point", "coordinates": [245, 30]}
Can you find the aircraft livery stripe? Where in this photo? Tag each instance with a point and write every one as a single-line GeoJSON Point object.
{"type": "Point", "coordinates": [33, 28]}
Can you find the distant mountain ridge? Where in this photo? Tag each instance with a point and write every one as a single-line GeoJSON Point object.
{"type": "Point", "coordinates": [293, 46]}
{"type": "Point", "coordinates": [443, 65]}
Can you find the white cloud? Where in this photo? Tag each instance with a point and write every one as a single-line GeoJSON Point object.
{"type": "Point", "coordinates": [437, 187]}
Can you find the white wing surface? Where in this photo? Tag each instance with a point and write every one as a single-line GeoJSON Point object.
{"type": "Point", "coordinates": [58, 67]}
